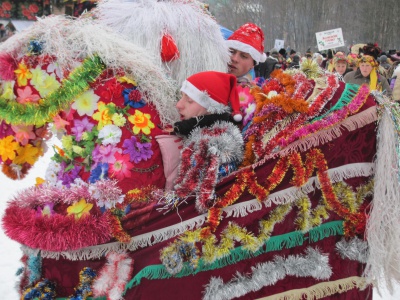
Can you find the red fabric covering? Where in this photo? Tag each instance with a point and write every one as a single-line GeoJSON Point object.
{"type": "Point", "coordinates": [352, 147]}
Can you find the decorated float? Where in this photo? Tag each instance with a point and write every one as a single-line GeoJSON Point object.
{"type": "Point", "coordinates": [311, 213]}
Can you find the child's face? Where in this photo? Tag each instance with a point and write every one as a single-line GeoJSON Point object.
{"type": "Point", "coordinates": [188, 108]}
{"type": "Point", "coordinates": [340, 68]}
{"type": "Point", "coordinates": [365, 69]}
{"type": "Point", "coordinates": [241, 63]}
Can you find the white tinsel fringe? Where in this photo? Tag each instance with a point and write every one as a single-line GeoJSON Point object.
{"type": "Point", "coordinates": [382, 232]}
{"type": "Point", "coordinates": [313, 263]}
{"type": "Point", "coordinates": [68, 39]}
{"type": "Point", "coordinates": [196, 33]}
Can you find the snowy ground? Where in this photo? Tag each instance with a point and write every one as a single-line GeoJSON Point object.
{"type": "Point", "coordinates": [10, 252]}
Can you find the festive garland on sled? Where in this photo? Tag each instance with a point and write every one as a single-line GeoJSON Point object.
{"type": "Point", "coordinates": [39, 113]}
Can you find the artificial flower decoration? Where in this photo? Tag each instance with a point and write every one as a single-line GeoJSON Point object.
{"type": "Point", "coordinates": [81, 126]}
{"type": "Point", "coordinates": [141, 122]}
{"type": "Point", "coordinates": [26, 95]}
{"type": "Point", "coordinates": [35, 47]}
{"type": "Point", "coordinates": [112, 90]}
{"type": "Point", "coordinates": [23, 133]}
{"type": "Point", "coordinates": [8, 148]}
{"type": "Point", "coordinates": [38, 76]}
{"type": "Point", "coordinates": [249, 113]}
{"type": "Point", "coordinates": [46, 210]}
{"type": "Point", "coordinates": [121, 168]}
{"type": "Point", "coordinates": [245, 98]}
{"type": "Point", "coordinates": [23, 74]}
{"type": "Point", "coordinates": [59, 123]}
{"type": "Point", "coordinates": [86, 103]}
{"type": "Point", "coordinates": [55, 68]}
{"type": "Point", "coordinates": [28, 154]}
{"type": "Point", "coordinates": [118, 119]}
{"type": "Point", "coordinates": [5, 129]}
{"type": "Point", "coordinates": [104, 154]}
{"type": "Point", "coordinates": [110, 134]}
{"type": "Point", "coordinates": [67, 142]}
{"type": "Point", "coordinates": [79, 209]}
{"type": "Point", "coordinates": [133, 98]}
{"type": "Point", "coordinates": [100, 172]}
{"type": "Point", "coordinates": [126, 79]}
{"type": "Point", "coordinates": [48, 85]}
{"type": "Point", "coordinates": [137, 151]}
{"type": "Point", "coordinates": [103, 116]}
{"type": "Point", "coordinates": [68, 174]}
{"type": "Point", "coordinates": [39, 181]}
{"type": "Point", "coordinates": [51, 173]}
{"type": "Point", "coordinates": [7, 90]}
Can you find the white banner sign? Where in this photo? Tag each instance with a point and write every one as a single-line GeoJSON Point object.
{"type": "Point", "coordinates": [279, 44]}
{"type": "Point", "coordinates": [330, 39]}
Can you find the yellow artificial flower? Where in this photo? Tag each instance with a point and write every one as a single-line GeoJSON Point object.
{"type": "Point", "coordinates": [38, 76]}
{"type": "Point", "coordinates": [141, 122]}
{"type": "Point", "coordinates": [48, 85]}
{"type": "Point", "coordinates": [85, 136]}
{"type": "Point", "coordinates": [86, 103]}
{"type": "Point", "coordinates": [8, 148]}
{"type": "Point", "coordinates": [28, 154]}
{"type": "Point", "coordinates": [103, 115]}
{"type": "Point", "coordinates": [126, 79]}
{"type": "Point", "coordinates": [8, 90]}
{"type": "Point", "coordinates": [39, 181]}
{"type": "Point", "coordinates": [78, 150]}
{"type": "Point", "coordinates": [67, 142]}
{"type": "Point", "coordinates": [23, 74]}
{"type": "Point", "coordinates": [118, 119]}
{"type": "Point", "coordinates": [79, 209]}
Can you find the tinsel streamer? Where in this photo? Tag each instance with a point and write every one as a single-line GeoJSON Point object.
{"type": "Point", "coordinates": [322, 290]}
{"type": "Point", "coordinates": [313, 263]}
{"type": "Point", "coordinates": [275, 243]}
{"type": "Point", "coordinates": [383, 222]}
{"type": "Point", "coordinates": [353, 249]}
{"type": "Point", "coordinates": [34, 266]}
{"type": "Point", "coordinates": [117, 230]}
{"type": "Point", "coordinates": [113, 277]}
{"type": "Point", "coordinates": [84, 290]}
{"type": "Point", "coordinates": [37, 114]}
{"type": "Point", "coordinates": [44, 289]}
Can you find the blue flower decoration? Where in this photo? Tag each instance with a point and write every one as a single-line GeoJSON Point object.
{"type": "Point", "coordinates": [35, 47]}
{"type": "Point", "coordinates": [133, 98]}
{"type": "Point", "coordinates": [100, 172]}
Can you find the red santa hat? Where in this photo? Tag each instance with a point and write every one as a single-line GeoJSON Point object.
{"type": "Point", "coordinates": [249, 38]}
{"type": "Point", "coordinates": [215, 91]}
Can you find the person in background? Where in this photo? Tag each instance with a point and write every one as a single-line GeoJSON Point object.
{"type": "Point", "coordinates": [246, 45]}
{"type": "Point", "coordinates": [367, 73]}
{"type": "Point", "coordinates": [272, 63]}
{"type": "Point", "coordinates": [295, 64]}
{"type": "Point", "coordinates": [340, 65]}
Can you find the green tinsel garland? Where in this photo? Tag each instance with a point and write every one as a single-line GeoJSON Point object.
{"type": "Point", "coordinates": [39, 113]}
{"type": "Point", "coordinates": [287, 240]}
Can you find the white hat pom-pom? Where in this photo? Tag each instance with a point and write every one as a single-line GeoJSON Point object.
{"type": "Point", "coordinates": [238, 117]}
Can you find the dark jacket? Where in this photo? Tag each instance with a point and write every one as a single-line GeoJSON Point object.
{"type": "Point", "coordinates": [271, 64]}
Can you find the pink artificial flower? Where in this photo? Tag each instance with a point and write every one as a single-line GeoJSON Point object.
{"type": "Point", "coordinates": [121, 168]}
{"type": "Point", "coordinates": [245, 98]}
{"type": "Point", "coordinates": [59, 122]}
{"type": "Point", "coordinates": [25, 95]}
{"type": "Point", "coordinates": [23, 133]}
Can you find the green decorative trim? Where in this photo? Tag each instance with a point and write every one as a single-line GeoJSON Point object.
{"type": "Point", "coordinates": [39, 113]}
{"type": "Point", "coordinates": [279, 242]}
{"type": "Point", "coordinates": [349, 92]}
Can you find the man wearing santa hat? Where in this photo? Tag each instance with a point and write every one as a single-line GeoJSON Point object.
{"type": "Point", "coordinates": [246, 45]}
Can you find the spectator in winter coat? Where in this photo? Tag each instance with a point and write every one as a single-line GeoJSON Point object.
{"type": "Point", "coordinates": [340, 65]}
{"type": "Point", "coordinates": [272, 63]}
{"type": "Point", "coordinates": [295, 64]}
{"type": "Point", "coordinates": [367, 73]}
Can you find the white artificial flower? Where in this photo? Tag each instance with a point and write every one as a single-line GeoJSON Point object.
{"type": "Point", "coordinates": [111, 134]}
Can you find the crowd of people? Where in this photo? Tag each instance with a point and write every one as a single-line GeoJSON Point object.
{"type": "Point", "coordinates": [367, 64]}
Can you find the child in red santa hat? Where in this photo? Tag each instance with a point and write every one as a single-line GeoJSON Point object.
{"type": "Point", "coordinates": [246, 45]}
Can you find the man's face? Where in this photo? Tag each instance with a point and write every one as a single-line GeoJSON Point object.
{"type": "Point", "coordinates": [341, 68]}
{"type": "Point", "coordinates": [188, 108]}
{"type": "Point", "coordinates": [365, 69]}
{"type": "Point", "coordinates": [241, 63]}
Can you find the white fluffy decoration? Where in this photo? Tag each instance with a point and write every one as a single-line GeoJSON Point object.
{"type": "Point", "coordinates": [197, 35]}
{"type": "Point", "coordinates": [68, 39]}
{"type": "Point", "coordinates": [383, 265]}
